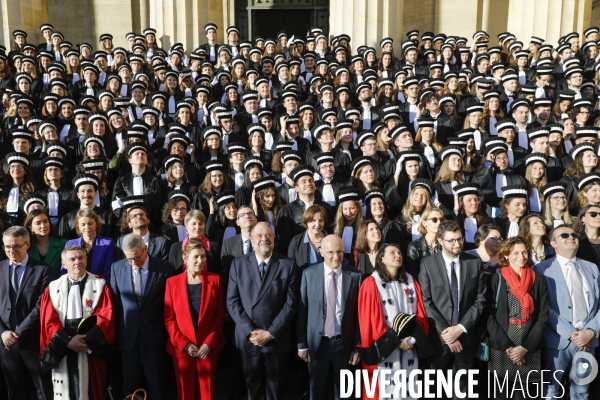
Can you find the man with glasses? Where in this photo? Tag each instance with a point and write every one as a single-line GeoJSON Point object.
{"type": "Point", "coordinates": [138, 285]}
{"type": "Point", "coordinates": [25, 279]}
{"type": "Point", "coordinates": [262, 300]}
{"type": "Point", "coordinates": [135, 219]}
{"type": "Point", "coordinates": [574, 323]}
{"type": "Point", "coordinates": [455, 310]}
{"type": "Point", "coordinates": [429, 106]}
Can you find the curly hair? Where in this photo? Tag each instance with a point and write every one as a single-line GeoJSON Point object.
{"type": "Point", "coordinates": [262, 205]}
{"type": "Point", "coordinates": [508, 245]}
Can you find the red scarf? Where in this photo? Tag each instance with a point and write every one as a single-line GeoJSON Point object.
{"type": "Point", "coordinates": [520, 287]}
{"type": "Point", "coordinates": [184, 242]}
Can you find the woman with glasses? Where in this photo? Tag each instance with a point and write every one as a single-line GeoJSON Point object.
{"type": "Point", "coordinates": [173, 216]}
{"type": "Point", "coordinates": [581, 113]}
{"type": "Point", "coordinates": [469, 213]}
{"type": "Point", "coordinates": [516, 323]}
{"type": "Point", "coordinates": [512, 209]}
{"type": "Point", "coordinates": [304, 247]}
{"type": "Point", "coordinates": [587, 225]}
{"type": "Point", "coordinates": [427, 244]}
{"type": "Point", "coordinates": [487, 241]}
{"type": "Point", "coordinates": [555, 210]}
{"type": "Point", "coordinates": [214, 182]}
{"type": "Point", "coordinates": [100, 250]}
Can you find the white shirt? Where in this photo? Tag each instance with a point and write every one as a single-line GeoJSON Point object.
{"type": "Point", "coordinates": [567, 270]}
{"type": "Point", "coordinates": [146, 238]}
{"type": "Point", "coordinates": [477, 135]}
{"type": "Point", "coordinates": [428, 152]}
{"type": "Point", "coordinates": [53, 204]}
{"type": "Point", "coordinates": [540, 93]}
{"type": "Point", "coordinates": [12, 206]}
{"type": "Point", "coordinates": [412, 112]}
{"type": "Point", "coordinates": [513, 229]}
{"type": "Point", "coordinates": [328, 195]}
{"type": "Point", "coordinates": [415, 227]}
{"type": "Point", "coordinates": [456, 261]}
{"type": "Point", "coordinates": [138, 186]}
{"type": "Point", "coordinates": [338, 298]}
{"type": "Point", "coordinates": [523, 139]}
{"type": "Point", "coordinates": [500, 183]}
{"type": "Point", "coordinates": [366, 118]}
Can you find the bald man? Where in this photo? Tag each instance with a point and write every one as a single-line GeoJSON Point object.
{"type": "Point", "coordinates": [327, 322]}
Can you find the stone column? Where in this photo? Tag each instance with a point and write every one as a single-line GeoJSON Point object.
{"type": "Point", "coordinates": [24, 14]}
{"type": "Point", "coordinates": [367, 21]}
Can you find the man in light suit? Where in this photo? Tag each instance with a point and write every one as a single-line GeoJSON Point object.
{"type": "Point", "coordinates": [454, 289]}
{"type": "Point", "coordinates": [574, 322]}
{"type": "Point", "coordinates": [138, 285]}
{"type": "Point", "coordinates": [262, 300]}
{"type": "Point", "coordinates": [24, 280]}
{"type": "Point", "coordinates": [327, 322]}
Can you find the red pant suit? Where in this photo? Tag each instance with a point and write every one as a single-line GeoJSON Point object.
{"type": "Point", "coordinates": [178, 320]}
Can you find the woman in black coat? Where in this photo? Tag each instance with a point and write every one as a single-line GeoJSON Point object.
{"type": "Point", "coordinates": [304, 247]}
{"type": "Point", "coordinates": [427, 244]}
{"type": "Point", "coordinates": [516, 322]}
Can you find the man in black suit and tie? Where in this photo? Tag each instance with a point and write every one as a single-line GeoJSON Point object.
{"type": "Point", "coordinates": [135, 219]}
{"type": "Point", "coordinates": [24, 280]}
{"type": "Point", "coordinates": [238, 245]}
{"type": "Point", "coordinates": [454, 288]}
{"type": "Point", "coordinates": [262, 300]}
{"type": "Point", "coordinates": [138, 285]}
{"type": "Point", "coordinates": [327, 322]}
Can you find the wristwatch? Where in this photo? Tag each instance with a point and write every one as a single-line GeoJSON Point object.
{"type": "Point", "coordinates": [594, 332]}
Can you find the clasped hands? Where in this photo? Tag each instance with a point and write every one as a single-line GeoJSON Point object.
{"type": "Point", "coordinates": [194, 351]}
{"type": "Point", "coordinates": [9, 339]}
{"type": "Point", "coordinates": [516, 354]}
{"type": "Point", "coordinates": [260, 337]}
{"type": "Point", "coordinates": [450, 336]}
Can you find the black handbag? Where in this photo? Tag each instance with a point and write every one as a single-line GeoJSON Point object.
{"type": "Point", "coordinates": [483, 350]}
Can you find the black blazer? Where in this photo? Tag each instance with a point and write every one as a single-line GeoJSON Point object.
{"type": "Point", "coordinates": [231, 248]}
{"type": "Point", "coordinates": [438, 299]}
{"type": "Point", "coordinates": [415, 252]}
{"type": "Point", "coordinates": [36, 277]}
{"type": "Point", "coordinates": [532, 335]}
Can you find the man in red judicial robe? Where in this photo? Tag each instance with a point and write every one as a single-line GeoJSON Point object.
{"type": "Point", "coordinates": [77, 330]}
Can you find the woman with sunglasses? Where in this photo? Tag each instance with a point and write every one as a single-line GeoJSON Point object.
{"type": "Point", "coordinates": [587, 226]}
{"type": "Point", "coordinates": [533, 229]}
{"type": "Point", "coordinates": [427, 244]}
{"type": "Point", "coordinates": [556, 210]}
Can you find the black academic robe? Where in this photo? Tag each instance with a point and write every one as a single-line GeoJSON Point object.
{"type": "Point", "coordinates": [289, 221]}
{"type": "Point", "coordinates": [124, 187]}
{"type": "Point", "coordinates": [64, 199]}
{"type": "Point", "coordinates": [66, 227]}
{"type": "Point", "coordinates": [486, 178]}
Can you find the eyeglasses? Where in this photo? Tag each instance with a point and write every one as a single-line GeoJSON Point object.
{"type": "Point", "coordinates": [455, 241]}
{"type": "Point", "coordinates": [15, 247]}
{"type": "Point", "coordinates": [559, 198]}
{"type": "Point", "coordinates": [369, 144]}
{"type": "Point", "coordinates": [593, 214]}
{"type": "Point", "coordinates": [246, 215]}
{"type": "Point", "coordinates": [180, 209]}
{"type": "Point", "coordinates": [567, 235]}
{"type": "Point", "coordinates": [16, 166]}
{"type": "Point", "coordinates": [436, 219]}
{"type": "Point", "coordinates": [496, 239]}
{"type": "Point", "coordinates": [136, 258]}
{"type": "Point", "coordinates": [139, 215]}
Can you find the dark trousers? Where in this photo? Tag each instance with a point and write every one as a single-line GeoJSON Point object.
{"type": "Point", "coordinates": [330, 353]}
{"type": "Point", "coordinates": [21, 369]}
{"type": "Point", "coordinates": [443, 359]}
{"type": "Point", "coordinates": [143, 362]}
{"type": "Point", "coordinates": [264, 373]}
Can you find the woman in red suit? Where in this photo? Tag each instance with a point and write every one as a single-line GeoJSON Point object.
{"type": "Point", "coordinates": [194, 314]}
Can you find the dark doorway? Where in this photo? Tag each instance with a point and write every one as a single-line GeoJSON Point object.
{"type": "Point", "coordinates": [267, 23]}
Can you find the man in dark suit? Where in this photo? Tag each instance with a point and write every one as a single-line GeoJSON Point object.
{"type": "Point", "coordinates": [454, 289]}
{"type": "Point", "coordinates": [328, 333]}
{"type": "Point", "coordinates": [262, 300]}
{"type": "Point", "coordinates": [136, 220]}
{"type": "Point", "coordinates": [240, 244]}
{"type": "Point", "coordinates": [138, 284]}
{"type": "Point", "coordinates": [24, 280]}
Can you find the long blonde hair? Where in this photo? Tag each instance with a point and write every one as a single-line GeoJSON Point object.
{"type": "Point", "coordinates": [408, 210]}
{"type": "Point", "coordinates": [434, 143]}
{"type": "Point", "coordinates": [445, 175]}
{"type": "Point", "coordinates": [549, 218]}
{"type": "Point", "coordinates": [340, 221]}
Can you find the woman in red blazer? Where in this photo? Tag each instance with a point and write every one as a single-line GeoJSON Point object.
{"type": "Point", "coordinates": [194, 315]}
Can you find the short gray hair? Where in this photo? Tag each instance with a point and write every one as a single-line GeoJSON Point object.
{"type": "Point", "coordinates": [63, 253]}
{"type": "Point", "coordinates": [132, 242]}
{"type": "Point", "coordinates": [17, 231]}
{"type": "Point", "coordinates": [259, 224]}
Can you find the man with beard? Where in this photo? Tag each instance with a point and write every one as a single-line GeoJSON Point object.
{"type": "Point", "coordinates": [86, 187]}
{"type": "Point", "coordinates": [262, 300]}
{"type": "Point", "coordinates": [135, 219]}
{"type": "Point", "coordinates": [520, 113]}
